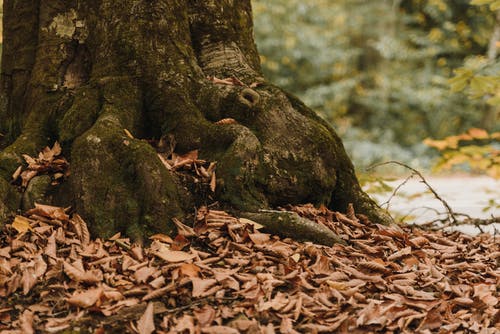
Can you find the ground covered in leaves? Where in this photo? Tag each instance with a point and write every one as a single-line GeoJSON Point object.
{"type": "Point", "coordinates": [221, 274]}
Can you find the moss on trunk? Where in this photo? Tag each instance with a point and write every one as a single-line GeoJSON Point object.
{"type": "Point", "coordinates": [154, 69]}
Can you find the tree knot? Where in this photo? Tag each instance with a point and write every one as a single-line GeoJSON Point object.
{"type": "Point", "coordinates": [249, 97]}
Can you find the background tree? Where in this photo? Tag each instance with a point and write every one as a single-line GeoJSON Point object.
{"type": "Point", "coordinates": [378, 70]}
{"type": "Point", "coordinates": [99, 75]}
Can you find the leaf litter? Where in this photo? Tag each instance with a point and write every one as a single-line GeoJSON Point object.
{"type": "Point", "coordinates": [226, 276]}
{"type": "Point", "coordinates": [49, 161]}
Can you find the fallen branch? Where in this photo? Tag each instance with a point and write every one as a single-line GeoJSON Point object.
{"type": "Point", "coordinates": [290, 225]}
{"type": "Point", "coordinates": [451, 214]}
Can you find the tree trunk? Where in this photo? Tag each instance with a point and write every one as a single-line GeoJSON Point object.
{"type": "Point", "coordinates": [80, 72]}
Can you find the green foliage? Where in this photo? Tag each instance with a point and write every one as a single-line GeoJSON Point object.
{"type": "Point", "coordinates": [379, 70]}
{"type": "Point", "coordinates": [479, 78]}
{"type": "Point", "coordinates": [494, 4]}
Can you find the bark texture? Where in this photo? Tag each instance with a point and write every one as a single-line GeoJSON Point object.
{"type": "Point", "coordinates": [81, 72]}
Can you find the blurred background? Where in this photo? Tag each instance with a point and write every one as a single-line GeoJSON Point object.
{"type": "Point", "coordinates": [379, 70]}
{"type": "Point", "coordinates": [417, 81]}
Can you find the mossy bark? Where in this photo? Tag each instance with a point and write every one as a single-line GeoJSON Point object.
{"type": "Point", "coordinates": [81, 72]}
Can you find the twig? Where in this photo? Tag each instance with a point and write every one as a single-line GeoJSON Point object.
{"type": "Point", "coordinates": [395, 191]}
{"type": "Point", "coordinates": [122, 245]}
{"type": "Point", "coordinates": [451, 213]}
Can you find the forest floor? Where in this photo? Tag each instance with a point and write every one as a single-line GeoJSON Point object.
{"type": "Point", "coordinates": [221, 274]}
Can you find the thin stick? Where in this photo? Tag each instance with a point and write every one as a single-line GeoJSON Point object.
{"type": "Point", "coordinates": [451, 213]}
{"type": "Point", "coordinates": [395, 191]}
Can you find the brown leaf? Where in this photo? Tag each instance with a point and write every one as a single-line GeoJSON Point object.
{"type": "Point", "coordinates": [399, 254]}
{"type": "Point", "coordinates": [51, 247]}
{"type": "Point", "coordinates": [205, 315]}
{"type": "Point", "coordinates": [26, 322]}
{"type": "Point", "coordinates": [213, 182]}
{"type": "Point", "coordinates": [173, 256]}
{"type": "Point", "coordinates": [28, 280]}
{"type": "Point", "coordinates": [186, 159]}
{"type": "Point", "coordinates": [226, 121]}
{"type": "Point", "coordinates": [86, 298]}
{"type": "Point", "coordinates": [161, 237]}
{"type": "Point", "coordinates": [179, 243]}
{"type": "Point", "coordinates": [189, 270]}
{"type": "Point", "coordinates": [219, 330]}
{"type": "Point", "coordinates": [146, 324]}
{"type": "Point", "coordinates": [201, 286]}
{"type": "Point", "coordinates": [26, 176]}
{"type": "Point", "coordinates": [144, 273]}
{"type": "Point", "coordinates": [183, 229]}
{"type": "Point", "coordinates": [84, 231]}
{"type": "Point", "coordinates": [29, 160]}
{"type": "Point", "coordinates": [17, 173]}
{"type": "Point", "coordinates": [79, 275]}
{"type": "Point", "coordinates": [49, 211]}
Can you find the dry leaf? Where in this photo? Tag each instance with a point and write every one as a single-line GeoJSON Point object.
{"type": "Point", "coordinates": [173, 256]}
{"type": "Point", "coordinates": [213, 182]}
{"type": "Point", "coordinates": [86, 298]}
{"type": "Point", "coordinates": [161, 237]}
{"type": "Point", "coordinates": [21, 224]}
{"type": "Point", "coordinates": [146, 324]}
{"type": "Point", "coordinates": [226, 121]}
{"type": "Point", "coordinates": [128, 134]}
{"type": "Point", "coordinates": [17, 173]}
{"type": "Point", "coordinates": [255, 225]}
{"type": "Point", "coordinates": [26, 322]}
{"type": "Point", "coordinates": [189, 270]}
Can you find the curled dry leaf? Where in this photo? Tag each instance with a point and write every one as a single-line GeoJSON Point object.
{"type": "Point", "coordinates": [226, 121]}
{"type": "Point", "coordinates": [161, 237]}
{"type": "Point", "coordinates": [86, 298]}
{"type": "Point", "coordinates": [146, 324]}
{"type": "Point", "coordinates": [399, 254]}
{"type": "Point", "coordinates": [173, 256]}
{"type": "Point", "coordinates": [26, 322]}
{"type": "Point", "coordinates": [17, 173]}
{"type": "Point", "coordinates": [78, 275]}
{"type": "Point", "coordinates": [84, 235]}
{"type": "Point", "coordinates": [374, 266]}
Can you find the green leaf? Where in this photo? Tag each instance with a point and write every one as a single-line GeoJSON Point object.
{"type": "Point", "coordinates": [495, 5]}
{"type": "Point", "coordinates": [481, 2]}
{"type": "Point", "coordinates": [494, 101]}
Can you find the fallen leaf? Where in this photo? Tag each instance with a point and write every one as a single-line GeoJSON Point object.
{"type": "Point", "coordinates": [26, 322]}
{"type": "Point", "coordinates": [128, 134]}
{"type": "Point", "coordinates": [86, 298]}
{"type": "Point", "coordinates": [146, 325]}
{"type": "Point", "coordinates": [17, 173]}
{"type": "Point", "coordinates": [161, 237]}
{"type": "Point", "coordinates": [173, 256]}
{"type": "Point", "coordinates": [21, 224]}
{"type": "Point", "coordinates": [255, 225]}
{"type": "Point", "coordinates": [189, 270]}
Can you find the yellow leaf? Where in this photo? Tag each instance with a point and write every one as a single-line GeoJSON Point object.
{"type": "Point", "coordinates": [21, 224]}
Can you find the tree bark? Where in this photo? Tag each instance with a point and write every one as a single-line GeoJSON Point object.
{"type": "Point", "coordinates": [80, 72]}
